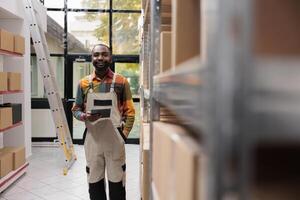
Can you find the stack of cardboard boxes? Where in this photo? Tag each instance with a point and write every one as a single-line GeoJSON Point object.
{"type": "Point", "coordinates": [11, 43]}
{"type": "Point", "coordinates": [10, 81]}
{"type": "Point", "coordinates": [11, 158]}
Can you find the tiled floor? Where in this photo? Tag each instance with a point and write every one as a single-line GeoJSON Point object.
{"type": "Point", "coordinates": [44, 179]}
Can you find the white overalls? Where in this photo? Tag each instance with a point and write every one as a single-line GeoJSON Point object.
{"type": "Point", "coordinates": [104, 145]}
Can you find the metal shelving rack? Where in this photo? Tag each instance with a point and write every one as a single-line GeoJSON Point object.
{"type": "Point", "coordinates": [187, 81]}
{"type": "Point", "coordinates": [230, 99]}
{"type": "Point", "coordinates": [16, 135]}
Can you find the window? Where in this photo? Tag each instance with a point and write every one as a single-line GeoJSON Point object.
{"type": "Point", "coordinates": [80, 70]}
{"type": "Point", "coordinates": [125, 33]}
{"type": "Point", "coordinates": [135, 131]}
{"type": "Point", "coordinates": [127, 4]}
{"type": "Point", "coordinates": [86, 30]}
{"type": "Point", "coordinates": [55, 32]}
{"type": "Point", "coordinates": [37, 86]}
{"type": "Point", "coordinates": [54, 4]}
{"type": "Point", "coordinates": [88, 4]}
{"type": "Point", "coordinates": [131, 71]}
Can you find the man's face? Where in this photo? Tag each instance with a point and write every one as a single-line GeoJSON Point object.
{"type": "Point", "coordinates": [101, 58]}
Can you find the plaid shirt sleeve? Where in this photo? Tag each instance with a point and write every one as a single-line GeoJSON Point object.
{"type": "Point", "coordinates": [78, 107]}
{"type": "Point", "coordinates": [128, 109]}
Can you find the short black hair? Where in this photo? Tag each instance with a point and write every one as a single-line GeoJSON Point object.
{"type": "Point", "coordinates": [101, 44]}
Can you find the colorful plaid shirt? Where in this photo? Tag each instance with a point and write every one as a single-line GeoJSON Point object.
{"type": "Point", "coordinates": [122, 89]}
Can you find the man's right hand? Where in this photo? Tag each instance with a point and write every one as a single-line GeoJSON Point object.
{"type": "Point", "coordinates": [92, 118]}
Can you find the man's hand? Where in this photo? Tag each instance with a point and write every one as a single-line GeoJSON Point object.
{"type": "Point", "coordinates": [92, 117]}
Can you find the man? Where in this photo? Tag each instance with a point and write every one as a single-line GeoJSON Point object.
{"type": "Point", "coordinates": [104, 103]}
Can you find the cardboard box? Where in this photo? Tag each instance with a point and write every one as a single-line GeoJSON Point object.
{"type": "Point", "coordinates": [277, 28]}
{"type": "Point", "coordinates": [176, 163]}
{"type": "Point", "coordinates": [276, 190]}
{"type": "Point", "coordinates": [18, 155]}
{"type": "Point", "coordinates": [163, 159]}
{"type": "Point", "coordinates": [5, 117]}
{"type": "Point", "coordinates": [146, 181]}
{"type": "Point", "coordinates": [6, 40]}
{"type": "Point", "coordinates": [19, 44]}
{"type": "Point", "coordinates": [186, 30]}
{"type": "Point", "coordinates": [14, 81]}
{"type": "Point", "coordinates": [165, 51]}
{"type": "Point", "coordinates": [3, 81]}
{"type": "Point", "coordinates": [6, 163]}
{"type": "Point", "coordinates": [146, 136]}
{"type": "Point", "coordinates": [187, 157]}
{"type": "Point", "coordinates": [165, 28]}
{"type": "Point", "coordinates": [16, 111]}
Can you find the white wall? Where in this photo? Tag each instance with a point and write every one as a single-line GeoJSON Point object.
{"type": "Point", "coordinates": [42, 123]}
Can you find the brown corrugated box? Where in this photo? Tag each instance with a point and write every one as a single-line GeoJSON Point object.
{"type": "Point", "coordinates": [176, 163]}
{"type": "Point", "coordinates": [18, 154]}
{"type": "Point", "coordinates": [275, 191]}
{"type": "Point", "coordinates": [165, 51]}
{"type": "Point", "coordinates": [6, 163]}
{"type": "Point", "coordinates": [186, 30]}
{"type": "Point", "coordinates": [6, 40]}
{"type": "Point", "coordinates": [165, 28]}
{"type": "Point", "coordinates": [186, 168]}
{"type": "Point", "coordinates": [162, 160]}
{"type": "Point", "coordinates": [145, 167]}
{"type": "Point", "coordinates": [19, 44]}
{"type": "Point", "coordinates": [277, 28]}
{"type": "Point", "coordinates": [146, 181]}
{"type": "Point", "coordinates": [3, 81]}
{"type": "Point", "coordinates": [5, 117]}
{"type": "Point", "coordinates": [14, 81]}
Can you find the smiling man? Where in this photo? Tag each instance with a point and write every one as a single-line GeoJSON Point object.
{"type": "Point", "coordinates": [105, 104]}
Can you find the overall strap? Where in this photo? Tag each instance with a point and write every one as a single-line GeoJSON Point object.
{"type": "Point", "coordinates": [90, 78]}
{"type": "Point", "coordinates": [112, 86]}
{"type": "Point", "coordinates": [90, 82]}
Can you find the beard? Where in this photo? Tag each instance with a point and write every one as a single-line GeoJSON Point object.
{"type": "Point", "coordinates": [101, 67]}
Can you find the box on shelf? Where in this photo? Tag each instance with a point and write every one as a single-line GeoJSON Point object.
{"type": "Point", "coordinates": [165, 28]}
{"type": "Point", "coordinates": [165, 51]}
{"type": "Point", "coordinates": [162, 159]}
{"type": "Point", "coordinates": [6, 163]}
{"type": "Point", "coordinates": [6, 40]}
{"type": "Point", "coordinates": [187, 158]}
{"type": "Point", "coordinates": [146, 181]}
{"type": "Point", "coordinates": [3, 81]}
{"type": "Point", "coordinates": [16, 111]}
{"type": "Point", "coordinates": [145, 158]}
{"type": "Point", "coordinates": [277, 28]}
{"type": "Point", "coordinates": [186, 30]}
{"type": "Point", "coordinates": [14, 81]}
{"type": "Point", "coordinates": [5, 117]}
{"type": "Point", "coordinates": [176, 163]}
{"type": "Point", "coordinates": [19, 44]}
{"type": "Point", "coordinates": [18, 156]}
